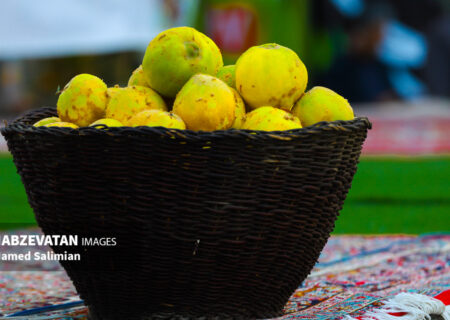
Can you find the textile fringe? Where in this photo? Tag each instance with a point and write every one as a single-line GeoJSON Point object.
{"type": "Point", "coordinates": [408, 306]}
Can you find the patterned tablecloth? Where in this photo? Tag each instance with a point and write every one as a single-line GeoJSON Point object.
{"type": "Point", "coordinates": [354, 274]}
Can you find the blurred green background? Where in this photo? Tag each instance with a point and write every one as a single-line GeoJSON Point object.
{"type": "Point", "coordinates": [388, 195]}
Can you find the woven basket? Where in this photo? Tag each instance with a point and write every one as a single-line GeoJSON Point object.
{"type": "Point", "coordinates": [224, 223]}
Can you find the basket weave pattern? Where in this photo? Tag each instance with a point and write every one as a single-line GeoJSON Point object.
{"type": "Point", "coordinates": [206, 223]}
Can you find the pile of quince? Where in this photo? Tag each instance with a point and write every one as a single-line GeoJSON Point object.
{"type": "Point", "coordinates": [182, 84]}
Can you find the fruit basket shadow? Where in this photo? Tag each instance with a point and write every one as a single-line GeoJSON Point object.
{"type": "Point", "coordinates": [223, 223]}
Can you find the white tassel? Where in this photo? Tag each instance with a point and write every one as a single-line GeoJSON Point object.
{"type": "Point", "coordinates": [427, 304]}
{"type": "Point", "coordinates": [446, 314]}
{"type": "Point", "coordinates": [416, 306]}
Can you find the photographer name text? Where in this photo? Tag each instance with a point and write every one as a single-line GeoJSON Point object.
{"type": "Point", "coordinates": [52, 241]}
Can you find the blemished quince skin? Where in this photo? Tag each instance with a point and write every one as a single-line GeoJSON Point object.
{"type": "Point", "coordinates": [268, 118]}
{"type": "Point", "coordinates": [240, 110]}
{"type": "Point", "coordinates": [126, 102]}
{"type": "Point", "coordinates": [110, 92]}
{"type": "Point", "coordinates": [45, 121]}
{"type": "Point", "coordinates": [138, 78]}
{"type": "Point", "coordinates": [322, 104]}
{"type": "Point", "coordinates": [83, 100]}
{"type": "Point", "coordinates": [228, 75]}
{"type": "Point", "coordinates": [157, 118]}
{"type": "Point", "coordinates": [62, 124]}
{"type": "Point", "coordinates": [206, 103]}
{"type": "Point", "coordinates": [270, 75]}
{"type": "Point", "coordinates": [107, 122]}
{"type": "Point", "coordinates": [175, 55]}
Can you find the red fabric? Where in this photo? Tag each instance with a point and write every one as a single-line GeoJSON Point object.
{"type": "Point", "coordinates": [444, 297]}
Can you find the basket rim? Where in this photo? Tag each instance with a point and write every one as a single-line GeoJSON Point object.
{"type": "Point", "coordinates": [17, 126]}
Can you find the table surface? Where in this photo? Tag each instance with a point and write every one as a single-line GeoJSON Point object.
{"type": "Point", "coordinates": [354, 274]}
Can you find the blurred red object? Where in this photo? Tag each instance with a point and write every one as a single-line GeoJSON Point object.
{"type": "Point", "coordinates": [233, 27]}
{"type": "Point", "coordinates": [408, 130]}
{"type": "Point", "coordinates": [408, 137]}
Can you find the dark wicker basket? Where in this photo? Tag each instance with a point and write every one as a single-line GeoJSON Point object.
{"type": "Point", "coordinates": [224, 223]}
